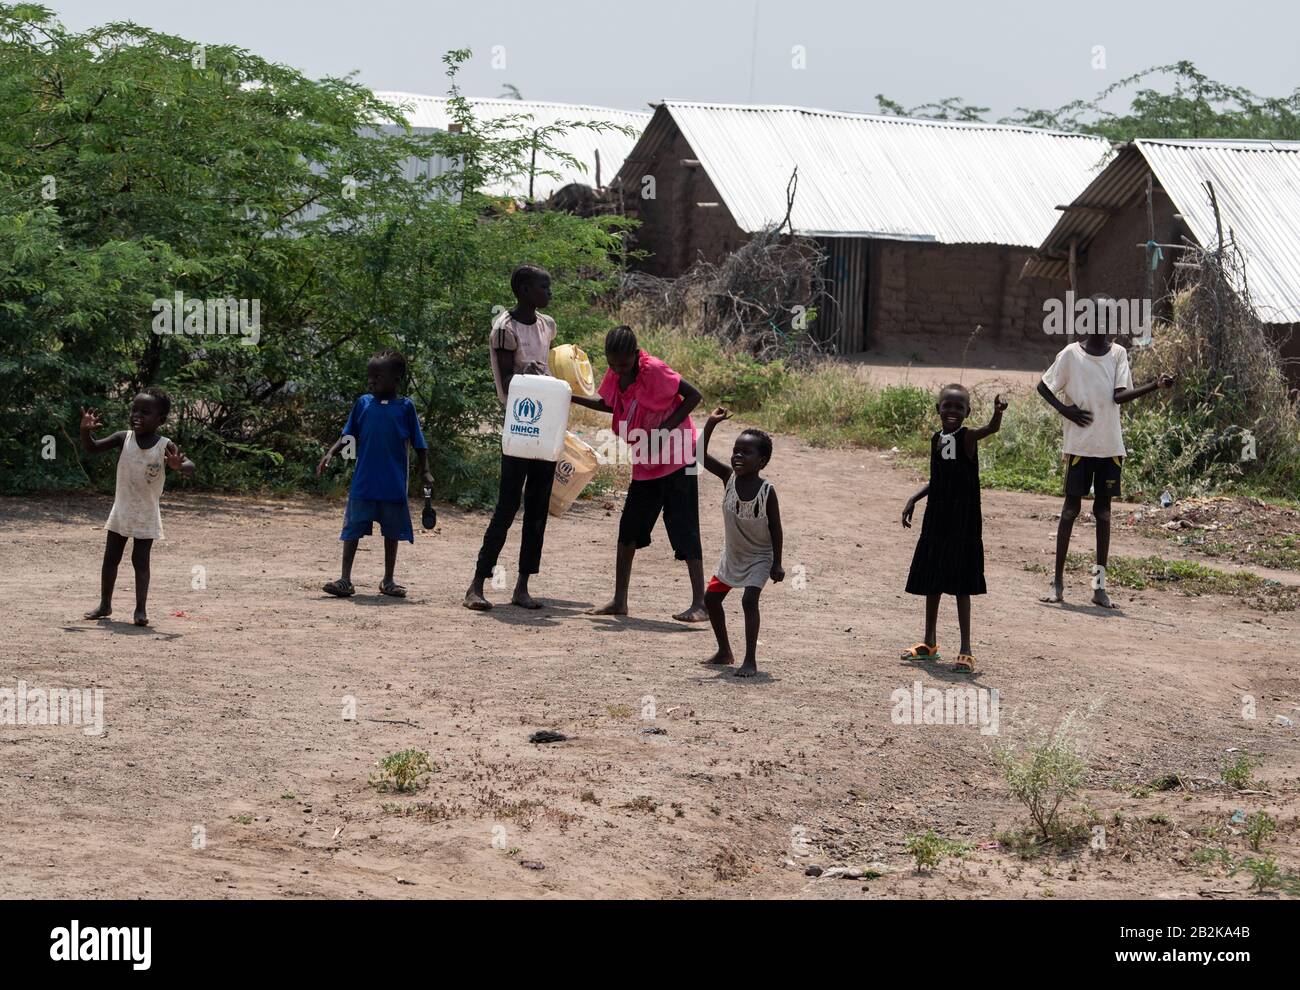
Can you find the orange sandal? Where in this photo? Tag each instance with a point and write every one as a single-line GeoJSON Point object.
{"type": "Point", "coordinates": [922, 651]}
{"type": "Point", "coordinates": [965, 664]}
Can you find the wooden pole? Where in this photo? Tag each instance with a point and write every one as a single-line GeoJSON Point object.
{"type": "Point", "coordinates": [532, 167]}
{"type": "Point", "coordinates": [1151, 236]}
{"type": "Point", "coordinates": [1074, 264]}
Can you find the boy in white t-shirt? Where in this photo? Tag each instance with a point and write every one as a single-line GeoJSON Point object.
{"type": "Point", "coordinates": [1094, 379]}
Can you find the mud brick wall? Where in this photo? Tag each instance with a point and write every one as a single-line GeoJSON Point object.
{"type": "Point", "coordinates": [934, 295]}
{"type": "Point", "coordinates": [1114, 264]}
{"type": "Point", "coordinates": [674, 229]}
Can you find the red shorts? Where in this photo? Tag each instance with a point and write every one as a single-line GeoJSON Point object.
{"type": "Point", "coordinates": [716, 585]}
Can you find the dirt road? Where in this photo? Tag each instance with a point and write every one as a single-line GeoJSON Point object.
{"type": "Point", "coordinates": [227, 767]}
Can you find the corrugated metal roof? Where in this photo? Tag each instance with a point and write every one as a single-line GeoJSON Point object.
{"type": "Point", "coordinates": [1089, 211]}
{"type": "Point", "coordinates": [1257, 185]}
{"type": "Point", "coordinates": [430, 112]}
{"type": "Point", "coordinates": [862, 175]}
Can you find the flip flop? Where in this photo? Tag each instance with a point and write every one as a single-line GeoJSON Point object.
{"type": "Point", "coordinates": [965, 664]}
{"type": "Point", "coordinates": [340, 589]}
{"type": "Point", "coordinates": [392, 589]}
{"type": "Point", "coordinates": [922, 651]}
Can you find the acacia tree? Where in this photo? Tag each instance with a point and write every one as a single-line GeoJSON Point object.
{"type": "Point", "coordinates": [135, 165]}
{"type": "Point", "coordinates": [1194, 106]}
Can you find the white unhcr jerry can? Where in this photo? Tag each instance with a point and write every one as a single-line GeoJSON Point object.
{"type": "Point", "coordinates": [537, 411]}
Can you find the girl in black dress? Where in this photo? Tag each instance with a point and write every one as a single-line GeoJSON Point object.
{"type": "Point", "coordinates": [949, 557]}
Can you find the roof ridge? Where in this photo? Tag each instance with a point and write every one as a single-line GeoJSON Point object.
{"type": "Point", "coordinates": [880, 117]}
{"type": "Point", "coordinates": [1279, 144]}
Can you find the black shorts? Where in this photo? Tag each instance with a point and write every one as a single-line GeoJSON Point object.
{"type": "Point", "coordinates": [677, 495]}
{"type": "Point", "coordinates": [1085, 474]}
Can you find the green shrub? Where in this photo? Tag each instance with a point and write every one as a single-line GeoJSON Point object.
{"type": "Point", "coordinates": [1259, 829]}
{"type": "Point", "coordinates": [929, 849]}
{"type": "Point", "coordinates": [402, 771]}
{"type": "Point", "coordinates": [1236, 770]}
{"type": "Point", "coordinates": [1044, 776]}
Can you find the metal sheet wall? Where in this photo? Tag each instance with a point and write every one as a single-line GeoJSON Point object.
{"type": "Point", "coordinates": [842, 322]}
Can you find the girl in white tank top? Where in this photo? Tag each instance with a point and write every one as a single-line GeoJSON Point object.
{"type": "Point", "coordinates": [136, 501]}
{"type": "Point", "coordinates": [141, 468]}
{"type": "Point", "coordinates": [752, 538]}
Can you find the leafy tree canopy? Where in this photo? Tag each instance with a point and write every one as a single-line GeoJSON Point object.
{"type": "Point", "coordinates": [1190, 106]}
{"type": "Point", "coordinates": [135, 165]}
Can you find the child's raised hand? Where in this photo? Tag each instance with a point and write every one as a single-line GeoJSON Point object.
{"type": "Point", "coordinates": [1166, 381]}
{"type": "Point", "coordinates": [719, 414]}
{"type": "Point", "coordinates": [90, 420]}
{"type": "Point", "coordinates": [999, 403]}
{"type": "Point", "coordinates": [174, 456]}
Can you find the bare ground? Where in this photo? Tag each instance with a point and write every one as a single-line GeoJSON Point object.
{"type": "Point", "coordinates": [224, 721]}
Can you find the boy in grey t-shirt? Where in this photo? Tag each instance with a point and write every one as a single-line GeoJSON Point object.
{"type": "Point", "coordinates": [520, 343]}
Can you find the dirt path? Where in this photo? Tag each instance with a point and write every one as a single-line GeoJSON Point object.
{"type": "Point", "coordinates": [1005, 370]}
{"type": "Point", "coordinates": [225, 728]}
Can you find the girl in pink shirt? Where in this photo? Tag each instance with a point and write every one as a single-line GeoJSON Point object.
{"type": "Point", "coordinates": [651, 407]}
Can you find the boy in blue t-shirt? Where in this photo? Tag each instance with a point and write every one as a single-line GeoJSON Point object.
{"type": "Point", "coordinates": [381, 424]}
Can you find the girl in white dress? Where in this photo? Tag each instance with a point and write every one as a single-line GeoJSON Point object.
{"type": "Point", "coordinates": [136, 515]}
{"type": "Point", "coordinates": [751, 551]}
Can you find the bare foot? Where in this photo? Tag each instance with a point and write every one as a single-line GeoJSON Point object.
{"type": "Point", "coordinates": [747, 669]}
{"type": "Point", "coordinates": [696, 613]}
{"type": "Point", "coordinates": [1056, 595]}
{"type": "Point", "coordinates": [474, 600]}
{"type": "Point", "coordinates": [1099, 597]}
{"type": "Point", "coordinates": [524, 600]}
{"type": "Point", "coordinates": [103, 612]}
{"type": "Point", "coordinates": [613, 608]}
{"type": "Point", "coordinates": [721, 658]}
{"type": "Point", "coordinates": [140, 618]}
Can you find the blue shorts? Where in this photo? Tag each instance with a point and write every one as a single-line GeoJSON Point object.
{"type": "Point", "coordinates": [394, 519]}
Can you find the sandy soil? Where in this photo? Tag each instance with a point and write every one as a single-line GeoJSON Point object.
{"type": "Point", "coordinates": [224, 723]}
{"type": "Point", "coordinates": [1006, 369]}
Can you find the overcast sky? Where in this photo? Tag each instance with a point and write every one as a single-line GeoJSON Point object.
{"type": "Point", "coordinates": [626, 53]}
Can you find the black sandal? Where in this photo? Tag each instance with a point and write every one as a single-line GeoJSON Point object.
{"type": "Point", "coordinates": [392, 589]}
{"type": "Point", "coordinates": [340, 589]}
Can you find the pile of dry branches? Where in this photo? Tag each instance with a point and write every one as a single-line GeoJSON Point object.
{"type": "Point", "coordinates": [763, 297]}
{"type": "Point", "coordinates": [1223, 354]}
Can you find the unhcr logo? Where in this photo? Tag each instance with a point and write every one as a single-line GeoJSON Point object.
{"type": "Point", "coordinates": [1098, 314]}
{"type": "Point", "coordinates": [526, 412]}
